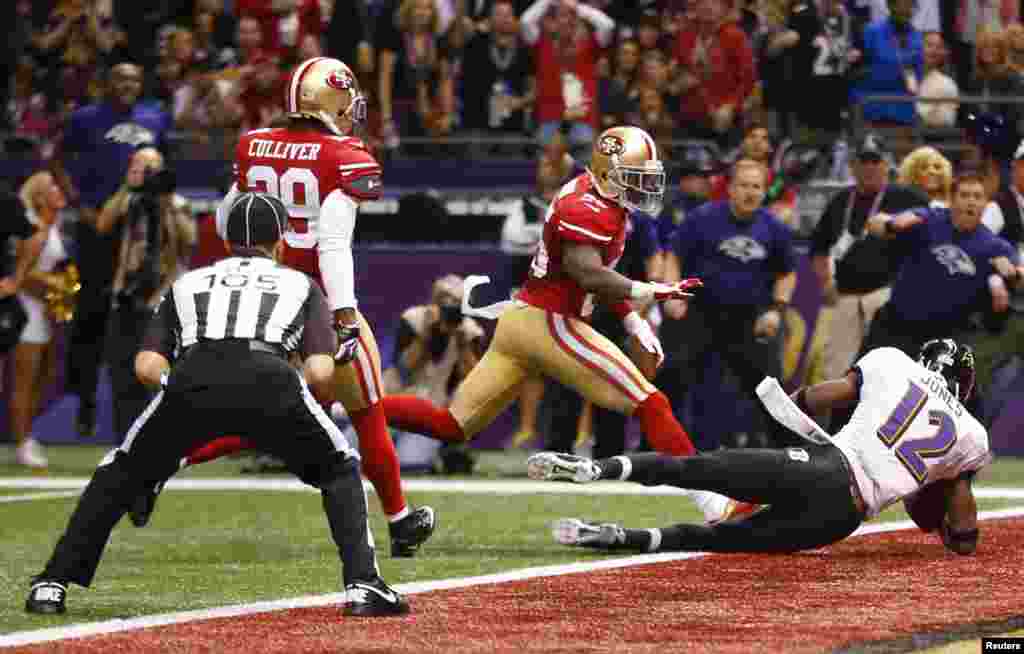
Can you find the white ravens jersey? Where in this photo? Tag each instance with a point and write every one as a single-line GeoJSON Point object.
{"type": "Point", "coordinates": [907, 430]}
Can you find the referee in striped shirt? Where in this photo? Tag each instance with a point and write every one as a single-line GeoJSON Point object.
{"type": "Point", "coordinates": [229, 328]}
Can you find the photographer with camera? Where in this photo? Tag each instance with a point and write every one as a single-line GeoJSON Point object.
{"type": "Point", "coordinates": [435, 349]}
{"type": "Point", "coordinates": [157, 239]}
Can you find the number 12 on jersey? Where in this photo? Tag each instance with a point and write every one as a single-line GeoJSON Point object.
{"type": "Point", "coordinates": [913, 452]}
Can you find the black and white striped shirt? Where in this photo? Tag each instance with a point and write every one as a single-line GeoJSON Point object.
{"type": "Point", "coordinates": [243, 298]}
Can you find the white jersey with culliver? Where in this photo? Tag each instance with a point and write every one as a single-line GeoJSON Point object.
{"type": "Point", "coordinates": [907, 430]}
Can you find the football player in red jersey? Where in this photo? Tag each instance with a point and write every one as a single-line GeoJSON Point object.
{"type": "Point", "coordinates": [321, 173]}
{"type": "Point", "coordinates": [544, 331]}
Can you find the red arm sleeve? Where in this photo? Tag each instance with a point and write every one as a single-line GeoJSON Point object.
{"type": "Point", "coordinates": [359, 174]}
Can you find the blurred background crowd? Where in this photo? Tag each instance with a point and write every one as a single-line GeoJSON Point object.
{"type": "Point", "coordinates": [851, 108]}
{"type": "Point", "coordinates": [681, 69]}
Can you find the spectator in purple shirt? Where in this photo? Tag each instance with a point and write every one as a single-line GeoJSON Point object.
{"type": "Point", "coordinates": [953, 268]}
{"type": "Point", "coordinates": [93, 158]}
{"type": "Point", "coordinates": [745, 257]}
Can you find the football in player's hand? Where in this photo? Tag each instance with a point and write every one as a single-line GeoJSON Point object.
{"type": "Point", "coordinates": [646, 361]}
{"type": "Point", "coordinates": [927, 507]}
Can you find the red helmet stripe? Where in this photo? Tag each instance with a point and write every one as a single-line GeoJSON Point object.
{"type": "Point", "coordinates": [652, 152]}
{"type": "Point", "coordinates": [296, 83]}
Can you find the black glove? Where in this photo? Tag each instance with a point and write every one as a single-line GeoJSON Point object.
{"type": "Point", "coordinates": [437, 343]}
{"type": "Point", "coordinates": [348, 341]}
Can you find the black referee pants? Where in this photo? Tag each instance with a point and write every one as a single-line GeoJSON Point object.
{"type": "Point", "coordinates": [223, 388]}
{"type": "Point", "coordinates": [125, 333]}
{"type": "Point", "coordinates": [807, 488]}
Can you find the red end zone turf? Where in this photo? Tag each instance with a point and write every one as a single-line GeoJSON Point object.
{"type": "Point", "coordinates": [878, 587]}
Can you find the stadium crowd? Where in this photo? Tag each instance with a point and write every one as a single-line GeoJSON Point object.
{"type": "Point", "coordinates": [735, 77]}
{"type": "Point", "coordinates": [701, 69]}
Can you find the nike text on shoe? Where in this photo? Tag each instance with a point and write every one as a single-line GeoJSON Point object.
{"type": "Point", "coordinates": [371, 599]}
{"type": "Point", "coordinates": [411, 531]}
{"type": "Point", "coordinates": [551, 466]}
{"type": "Point", "coordinates": [46, 597]}
{"type": "Point", "coordinates": [576, 532]}
{"type": "Point", "coordinates": [142, 507]}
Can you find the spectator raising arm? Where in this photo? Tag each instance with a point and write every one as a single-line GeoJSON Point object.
{"type": "Point", "coordinates": [530, 26]}
{"type": "Point", "coordinates": [884, 225]}
{"type": "Point", "coordinates": [602, 23]}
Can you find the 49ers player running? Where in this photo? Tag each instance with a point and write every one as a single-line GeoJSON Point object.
{"type": "Point", "coordinates": [321, 173]}
{"type": "Point", "coordinates": [544, 331]}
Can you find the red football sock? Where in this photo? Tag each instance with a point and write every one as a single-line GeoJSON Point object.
{"type": "Point", "coordinates": [217, 448]}
{"type": "Point", "coordinates": [380, 460]}
{"type": "Point", "coordinates": [412, 413]}
{"type": "Point", "coordinates": [663, 431]}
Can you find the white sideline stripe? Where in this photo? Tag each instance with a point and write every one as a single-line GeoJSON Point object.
{"type": "Point", "coordinates": [37, 496]}
{"type": "Point", "coordinates": [585, 232]}
{"type": "Point", "coordinates": [468, 486]}
{"type": "Point", "coordinates": [236, 610]}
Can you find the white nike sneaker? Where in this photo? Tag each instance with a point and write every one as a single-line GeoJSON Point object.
{"type": "Point", "coordinates": [576, 532]}
{"type": "Point", "coordinates": [30, 453]}
{"type": "Point", "coordinates": [552, 466]}
{"type": "Point", "coordinates": [373, 599]}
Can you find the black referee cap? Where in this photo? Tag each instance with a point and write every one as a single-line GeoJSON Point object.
{"type": "Point", "coordinates": [256, 219]}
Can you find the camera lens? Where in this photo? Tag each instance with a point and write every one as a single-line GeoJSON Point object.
{"type": "Point", "coordinates": [451, 313]}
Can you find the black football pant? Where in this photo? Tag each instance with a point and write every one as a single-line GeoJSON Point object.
{"type": "Point", "coordinates": [223, 389]}
{"type": "Point", "coordinates": [807, 488]}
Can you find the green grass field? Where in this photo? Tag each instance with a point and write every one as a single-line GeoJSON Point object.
{"type": "Point", "coordinates": [206, 549]}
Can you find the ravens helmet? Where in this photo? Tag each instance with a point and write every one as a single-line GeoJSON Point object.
{"type": "Point", "coordinates": [326, 90]}
{"type": "Point", "coordinates": [626, 167]}
{"type": "Point", "coordinates": [954, 362]}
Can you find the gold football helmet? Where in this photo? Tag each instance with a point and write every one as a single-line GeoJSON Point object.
{"type": "Point", "coordinates": [625, 166]}
{"type": "Point", "coordinates": [326, 90]}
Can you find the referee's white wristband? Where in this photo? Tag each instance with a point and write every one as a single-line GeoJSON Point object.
{"type": "Point", "coordinates": [633, 323]}
{"type": "Point", "coordinates": [641, 291]}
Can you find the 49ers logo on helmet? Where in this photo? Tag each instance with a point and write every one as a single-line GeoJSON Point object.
{"type": "Point", "coordinates": [610, 145]}
{"type": "Point", "coordinates": [339, 79]}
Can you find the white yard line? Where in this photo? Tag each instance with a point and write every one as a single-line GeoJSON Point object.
{"type": "Point", "coordinates": [37, 496]}
{"type": "Point", "coordinates": [115, 626]}
{"type": "Point", "coordinates": [479, 486]}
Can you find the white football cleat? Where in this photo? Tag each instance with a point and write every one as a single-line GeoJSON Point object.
{"type": "Point", "coordinates": [553, 466]}
{"type": "Point", "coordinates": [30, 453]}
{"type": "Point", "coordinates": [577, 533]}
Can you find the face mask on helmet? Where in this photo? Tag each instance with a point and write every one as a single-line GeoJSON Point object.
{"type": "Point", "coordinates": [639, 189]}
{"type": "Point", "coordinates": [954, 362]}
{"type": "Point", "coordinates": [356, 109]}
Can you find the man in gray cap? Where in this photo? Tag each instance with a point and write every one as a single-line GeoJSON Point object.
{"type": "Point", "coordinates": [853, 267]}
{"type": "Point", "coordinates": [229, 329]}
